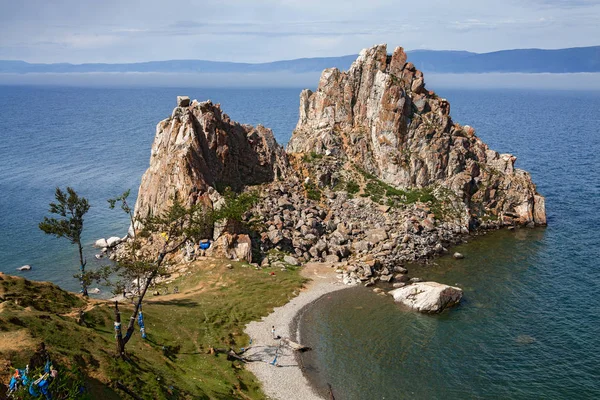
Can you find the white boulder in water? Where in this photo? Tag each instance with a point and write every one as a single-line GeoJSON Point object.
{"type": "Point", "coordinates": [24, 268]}
{"type": "Point", "coordinates": [428, 297]}
{"type": "Point", "coordinates": [95, 291]}
{"type": "Point", "coordinates": [113, 241]}
{"type": "Point", "coordinates": [100, 243]}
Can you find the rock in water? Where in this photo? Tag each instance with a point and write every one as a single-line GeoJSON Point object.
{"type": "Point", "coordinates": [428, 297]}
{"type": "Point", "coordinates": [380, 117]}
{"type": "Point", "coordinates": [113, 241]}
{"type": "Point", "coordinates": [458, 256]}
{"type": "Point", "coordinates": [24, 268]}
{"type": "Point", "coordinates": [525, 339]}
{"type": "Point", "coordinates": [100, 243]}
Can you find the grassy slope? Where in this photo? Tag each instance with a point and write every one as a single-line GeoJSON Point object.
{"type": "Point", "coordinates": [214, 305]}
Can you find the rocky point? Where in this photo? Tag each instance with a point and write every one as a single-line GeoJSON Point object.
{"type": "Point", "coordinates": [376, 174]}
{"type": "Point", "coordinates": [380, 117]}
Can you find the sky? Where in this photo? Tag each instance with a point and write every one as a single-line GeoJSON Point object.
{"type": "Point", "coordinates": [112, 31]}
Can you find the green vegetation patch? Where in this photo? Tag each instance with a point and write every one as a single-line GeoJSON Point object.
{"type": "Point", "coordinates": [352, 187]}
{"type": "Point", "coordinates": [311, 157]}
{"type": "Point", "coordinates": [211, 310]}
{"type": "Point", "coordinates": [41, 296]}
{"type": "Point", "coordinates": [312, 191]}
{"type": "Point", "coordinates": [440, 199]}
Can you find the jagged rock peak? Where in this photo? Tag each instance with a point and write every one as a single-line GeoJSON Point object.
{"type": "Point", "coordinates": [380, 117]}
{"type": "Point", "coordinates": [200, 147]}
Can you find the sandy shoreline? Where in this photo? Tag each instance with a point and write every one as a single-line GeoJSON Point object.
{"type": "Point", "coordinates": [287, 382]}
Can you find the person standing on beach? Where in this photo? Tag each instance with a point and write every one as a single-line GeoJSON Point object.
{"type": "Point", "coordinates": [273, 332]}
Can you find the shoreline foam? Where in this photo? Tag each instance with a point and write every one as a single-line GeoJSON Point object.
{"type": "Point", "coordinates": [287, 381]}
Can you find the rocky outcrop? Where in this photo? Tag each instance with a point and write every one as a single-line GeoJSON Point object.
{"type": "Point", "coordinates": [428, 297]}
{"type": "Point", "coordinates": [200, 147]}
{"type": "Point", "coordinates": [376, 175]}
{"type": "Point", "coordinates": [232, 246]}
{"type": "Point", "coordinates": [379, 117]}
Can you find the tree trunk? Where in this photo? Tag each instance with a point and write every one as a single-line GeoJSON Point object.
{"type": "Point", "coordinates": [82, 263]}
{"type": "Point", "coordinates": [118, 332]}
{"type": "Point", "coordinates": [122, 341]}
{"type": "Point", "coordinates": [131, 325]}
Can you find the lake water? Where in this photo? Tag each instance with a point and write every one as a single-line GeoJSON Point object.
{"type": "Point", "coordinates": [529, 326]}
{"type": "Point", "coordinates": [98, 142]}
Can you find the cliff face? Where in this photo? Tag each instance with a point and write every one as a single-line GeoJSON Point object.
{"type": "Point", "coordinates": [200, 147]}
{"type": "Point", "coordinates": [379, 117]}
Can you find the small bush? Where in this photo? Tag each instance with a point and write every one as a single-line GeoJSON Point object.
{"type": "Point", "coordinates": [312, 192]}
{"type": "Point", "coordinates": [352, 187]}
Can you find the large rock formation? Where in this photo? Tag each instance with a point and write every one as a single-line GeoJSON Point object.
{"type": "Point", "coordinates": [200, 147]}
{"type": "Point", "coordinates": [376, 174]}
{"type": "Point", "coordinates": [379, 117]}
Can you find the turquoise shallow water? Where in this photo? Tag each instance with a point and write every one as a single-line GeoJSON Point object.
{"type": "Point", "coordinates": [529, 325]}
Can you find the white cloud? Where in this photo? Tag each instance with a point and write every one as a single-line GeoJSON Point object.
{"type": "Point", "coordinates": [236, 30]}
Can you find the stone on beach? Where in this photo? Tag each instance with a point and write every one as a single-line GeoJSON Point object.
{"type": "Point", "coordinates": [458, 256]}
{"type": "Point", "coordinates": [428, 297]}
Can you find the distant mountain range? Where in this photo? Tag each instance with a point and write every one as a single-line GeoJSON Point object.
{"type": "Point", "coordinates": [579, 59]}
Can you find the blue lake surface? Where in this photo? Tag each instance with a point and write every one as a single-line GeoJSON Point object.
{"type": "Point", "coordinates": [529, 326]}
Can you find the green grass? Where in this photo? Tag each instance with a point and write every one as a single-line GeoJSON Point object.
{"type": "Point", "coordinates": [214, 305]}
{"type": "Point", "coordinates": [440, 199]}
{"type": "Point", "coordinates": [379, 191]}
{"type": "Point", "coordinates": [311, 157]}
{"type": "Point", "coordinates": [37, 295]}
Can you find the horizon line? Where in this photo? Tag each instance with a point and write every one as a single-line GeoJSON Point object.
{"type": "Point", "coordinates": [293, 59]}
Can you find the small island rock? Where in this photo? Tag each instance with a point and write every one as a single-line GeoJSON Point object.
{"type": "Point", "coordinates": [24, 268]}
{"type": "Point", "coordinates": [428, 297]}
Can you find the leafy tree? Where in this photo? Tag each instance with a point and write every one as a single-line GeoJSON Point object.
{"type": "Point", "coordinates": [144, 257]}
{"type": "Point", "coordinates": [234, 208]}
{"type": "Point", "coordinates": [124, 206]}
{"type": "Point", "coordinates": [70, 208]}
